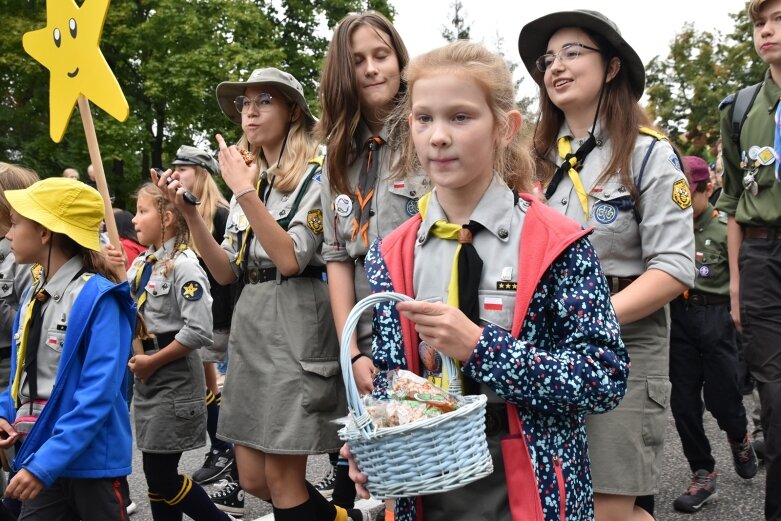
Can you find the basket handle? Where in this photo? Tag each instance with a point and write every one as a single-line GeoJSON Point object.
{"type": "Point", "coordinates": [360, 416]}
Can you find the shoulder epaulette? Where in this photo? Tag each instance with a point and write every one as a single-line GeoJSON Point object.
{"type": "Point", "coordinates": [653, 133]}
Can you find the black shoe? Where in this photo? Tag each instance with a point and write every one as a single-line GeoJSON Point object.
{"type": "Point", "coordinates": [326, 485]}
{"type": "Point", "coordinates": [229, 497]}
{"type": "Point", "coordinates": [759, 448]}
{"type": "Point", "coordinates": [701, 490]}
{"type": "Point", "coordinates": [743, 457]}
{"type": "Point", "coordinates": [216, 465]}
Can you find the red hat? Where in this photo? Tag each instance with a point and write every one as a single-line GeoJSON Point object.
{"type": "Point", "coordinates": [696, 170]}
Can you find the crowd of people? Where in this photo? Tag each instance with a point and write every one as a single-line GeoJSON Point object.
{"type": "Point", "coordinates": [597, 278]}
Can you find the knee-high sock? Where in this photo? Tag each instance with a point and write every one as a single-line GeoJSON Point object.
{"type": "Point", "coordinates": [212, 416]}
{"type": "Point", "coordinates": [194, 501]}
{"type": "Point", "coordinates": [162, 511]}
{"type": "Point", "coordinates": [344, 488]}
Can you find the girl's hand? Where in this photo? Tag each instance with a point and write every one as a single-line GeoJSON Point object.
{"type": "Point", "coordinates": [173, 191]}
{"type": "Point", "coordinates": [363, 373]}
{"type": "Point", "coordinates": [116, 258]}
{"type": "Point", "coordinates": [142, 366]}
{"type": "Point", "coordinates": [443, 327]}
{"type": "Point", "coordinates": [358, 477]}
{"type": "Point", "coordinates": [237, 175]}
{"type": "Point", "coordinates": [24, 486]}
{"type": "Point", "coordinates": [8, 434]}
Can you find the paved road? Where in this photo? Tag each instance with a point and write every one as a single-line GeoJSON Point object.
{"type": "Point", "coordinates": [739, 500]}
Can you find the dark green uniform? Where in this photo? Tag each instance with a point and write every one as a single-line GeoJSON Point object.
{"type": "Point", "coordinates": [759, 213]}
{"type": "Point", "coordinates": [703, 349]}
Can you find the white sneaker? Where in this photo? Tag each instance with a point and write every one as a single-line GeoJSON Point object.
{"type": "Point", "coordinates": [131, 508]}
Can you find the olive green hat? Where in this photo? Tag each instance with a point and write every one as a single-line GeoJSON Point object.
{"type": "Point", "coordinates": [228, 91]}
{"type": "Point", "coordinates": [187, 155]}
{"type": "Point", "coordinates": [533, 42]}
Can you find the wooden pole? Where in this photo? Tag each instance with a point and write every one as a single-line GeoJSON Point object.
{"type": "Point", "coordinates": [100, 175]}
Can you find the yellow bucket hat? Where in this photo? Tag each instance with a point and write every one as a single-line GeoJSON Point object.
{"type": "Point", "coordinates": [63, 206]}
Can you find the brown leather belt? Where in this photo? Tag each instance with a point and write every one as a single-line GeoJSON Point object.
{"type": "Point", "coordinates": [617, 284]}
{"type": "Point", "coordinates": [761, 232]}
{"type": "Point", "coordinates": [705, 299]}
{"type": "Point", "coordinates": [261, 275]}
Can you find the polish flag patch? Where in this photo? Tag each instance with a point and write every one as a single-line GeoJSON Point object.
{"type": "Point", "coordinates": [399, 185]}
{"type": "Point", "coordinates": [493, 304]}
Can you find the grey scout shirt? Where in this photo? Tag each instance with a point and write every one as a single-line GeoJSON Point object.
{"type": "Point", "coordinates": [394, 201]}
{"type": "Point", "coordinates": [63, 288]}
{"type": "Point", "coordinates": [756, 140]}
{"type": "Point", "coordinates": [305, 229]}
{"type": "Point", "coordinates": [177, 297]}
{"type": "Point", "coordinates": [663, 239]}
{"type": "Point", "coordinates": [14, 279]}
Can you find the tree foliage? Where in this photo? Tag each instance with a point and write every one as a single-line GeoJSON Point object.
{"type": "Point", "coordinates": [459, 28]}
{"type": "Point", "coordinates": [702, 68]}
{"type": "Point", "coordinates": [169, 56]}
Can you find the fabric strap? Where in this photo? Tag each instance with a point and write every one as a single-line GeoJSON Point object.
{"type": "Point", "coordinates": [777, 142]}
{"type": "Point", "coordinates": [367, 184]}
{"type": "Point", "coordinates": [138, 287]}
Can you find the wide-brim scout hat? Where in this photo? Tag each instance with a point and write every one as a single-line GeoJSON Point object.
{"type": "Point", "coordinates": [63, 206]}
{"type": "Point", "coordinates": [227, 91]}
{"type": "Point", "coordinates": [187, 155]}
{"type": "Point", "coordinates": [533, 42]}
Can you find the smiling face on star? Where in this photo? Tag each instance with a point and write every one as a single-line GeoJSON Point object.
{"type": "Point", "coordinates": [68, 47]}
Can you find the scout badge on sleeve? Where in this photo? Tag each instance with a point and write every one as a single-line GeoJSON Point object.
{"type": "Point", "coordinates": [681, 195]}
{"type": "Point", "coordinates": [192, 291]}
{"type": "Point", "coordinates": [78, 72]}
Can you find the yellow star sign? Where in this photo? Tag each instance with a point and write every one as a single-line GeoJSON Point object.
{"type": "Point", "coordinates": [68, 47]}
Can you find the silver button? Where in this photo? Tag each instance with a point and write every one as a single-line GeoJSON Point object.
{"type": "Point", "coordinates": [564, 200]}
{"type": "Point", "coordinates": [56, 297]}
{"type": "Point", "coordinates": [503, 233]}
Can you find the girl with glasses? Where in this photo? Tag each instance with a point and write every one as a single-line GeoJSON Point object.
{"type": "Point", "coordinates": [601, 165]}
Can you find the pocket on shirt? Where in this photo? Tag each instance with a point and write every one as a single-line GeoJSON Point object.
{"type": "Point", "coordinates": [321, 381]}
{"type": "Point", "coordinates": [655, 409]}
{"type": "Point", "coordinates": [497, 307]}
{"type": "Point", "coordinates": [55, 339]}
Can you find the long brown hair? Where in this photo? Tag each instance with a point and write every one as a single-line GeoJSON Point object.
{"type": "Point", "coordinates": [207, 191]}
{"type": "Point", "coordinates": [179, 226]}
{"type": "Point", "coordinates": [619, 113]}
{"type": "Point", "coordinates": [339, 100]}
{"type": "Point", "coordinates": [12, 177]}
{"type": "Point", "coordinates": [513, 162]}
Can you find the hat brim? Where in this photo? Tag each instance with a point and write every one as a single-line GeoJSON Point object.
{"type": "Point", "coordinates": [228, 91]}
{"type": "Point", "coordinates": [23, 203]}
{"type": "Point", "coordinates": [533, 43]}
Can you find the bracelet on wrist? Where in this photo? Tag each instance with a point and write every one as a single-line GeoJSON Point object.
{"type": "Point", "coordinates": [243, 192]}
{"type": "Point", "coordinates": [356, 357]}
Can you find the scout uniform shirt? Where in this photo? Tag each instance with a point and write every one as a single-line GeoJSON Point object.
{"type": "Point", "coordinates": [754, 156]}
{"type": "Point", "coordinates": [662, 239]}
{"type": "Point", "coordinates": [305, 228]}
{"type": "Point", "coordinates": [14, 279]}
{"type": "Point", "coordinates": [63, 288]}
{"type": "Point", "coordinates": [394, 201]}
{"type": "Point", "coordinates": [710, 257]}
{"type": "Point", "coordinates": [177, 296]}
{"type": "Point", "coordinates": [498, 245]}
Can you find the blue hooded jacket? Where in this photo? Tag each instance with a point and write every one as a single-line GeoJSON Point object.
{"type": "Point", "coordinates": [84, 429]}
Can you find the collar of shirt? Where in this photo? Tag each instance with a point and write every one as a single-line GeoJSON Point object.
{"type": "Point", "coordinates": [364, 133]}
{"type": "Point", "coordinates": [770, 92]}
{"type": "Point", "coordinates": [705, 217]}
{"type": "Point", "coordinates": [167, 247]}
{"type": "Point", "coordinates": [5, 247]}
{"type": "Point", "coordinates": [575, 143]}
{"type": "Point", "coordinates": [494, 211]}
{"type": "Point", "coordinates": [59, 282]}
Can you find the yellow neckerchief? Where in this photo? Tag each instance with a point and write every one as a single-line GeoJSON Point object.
{"type": "Point", "coordinates": [565, 147]}
{"type": "Point", "coordinates": [149, 262]}
{"type": "Point", "coordinates": [21, 354]}
{"type": "Point", "coordinates": [442, 229]}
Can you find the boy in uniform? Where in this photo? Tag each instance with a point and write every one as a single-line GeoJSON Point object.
{"type": "Point", "coordinates": [751, 197]}
{"type": "Point", "coordinates": [703, 352]}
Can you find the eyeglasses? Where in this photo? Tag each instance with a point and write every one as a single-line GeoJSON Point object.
{"type": "Point", "coordinates": [261, 102]}
{"type": "Point", "coordinates": [568, 53]}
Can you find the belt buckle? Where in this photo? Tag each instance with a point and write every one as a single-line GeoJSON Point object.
{"type": "Point", "coordinates": [253, 275]}
{"type": "Point", "coordinates": [697, 300]}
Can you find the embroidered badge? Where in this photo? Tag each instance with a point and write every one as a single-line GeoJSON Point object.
{"type": "Point", "coordinates": [506, 286]}
{"type": "Point", "coordinates": [54, 343]}
{"type": "Point", "coordinates": [399, 185]}
{"type": "Point", "coordinates": [605, 213]}
{"type": "Point", "coordinates": [343, 205]}
{"type": "Point", "coordinates": [412, 207]}
{"type": "Point", "coordinates": [704, 272]}
{"type": "Point", "coordinates": [192, 291]}
{"type": "Point", "coordinates": [675, 162]}
{"type": "Point", "coordinates": [318, 178]}
{"type": "Point", "coordinates": [681, 195]}
{"type": "Point", "coordinates": [507, 273]}
{"type": "Point", "coordinates": [493, 304]}
{"type": "Point", "coordinates": [314, 219]}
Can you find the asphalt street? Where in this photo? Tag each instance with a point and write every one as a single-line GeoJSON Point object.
{"type": "Point", "coordinates": [738, 499]}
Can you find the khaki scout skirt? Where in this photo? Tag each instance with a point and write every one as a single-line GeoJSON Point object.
{"type": "Point", "coordinates": [626, 444]}
{"type": "Point", "coordinates": [170, 408]}
{"type": "Point", "coordinates": [284, 386]}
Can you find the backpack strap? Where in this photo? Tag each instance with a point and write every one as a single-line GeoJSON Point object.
{"type": "Point", "coordinates": [315, 168]}
{"type": "Point", "coordinates": [741, 104]}
{"type": "Point", "coordinates": [658, 136]}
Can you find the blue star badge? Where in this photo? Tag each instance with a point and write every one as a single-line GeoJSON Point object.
{"type": "Point", "coordinates": [192, 291]}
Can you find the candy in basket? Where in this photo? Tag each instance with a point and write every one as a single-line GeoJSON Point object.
{"type": "Point", "coordinates": [437, 452]}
